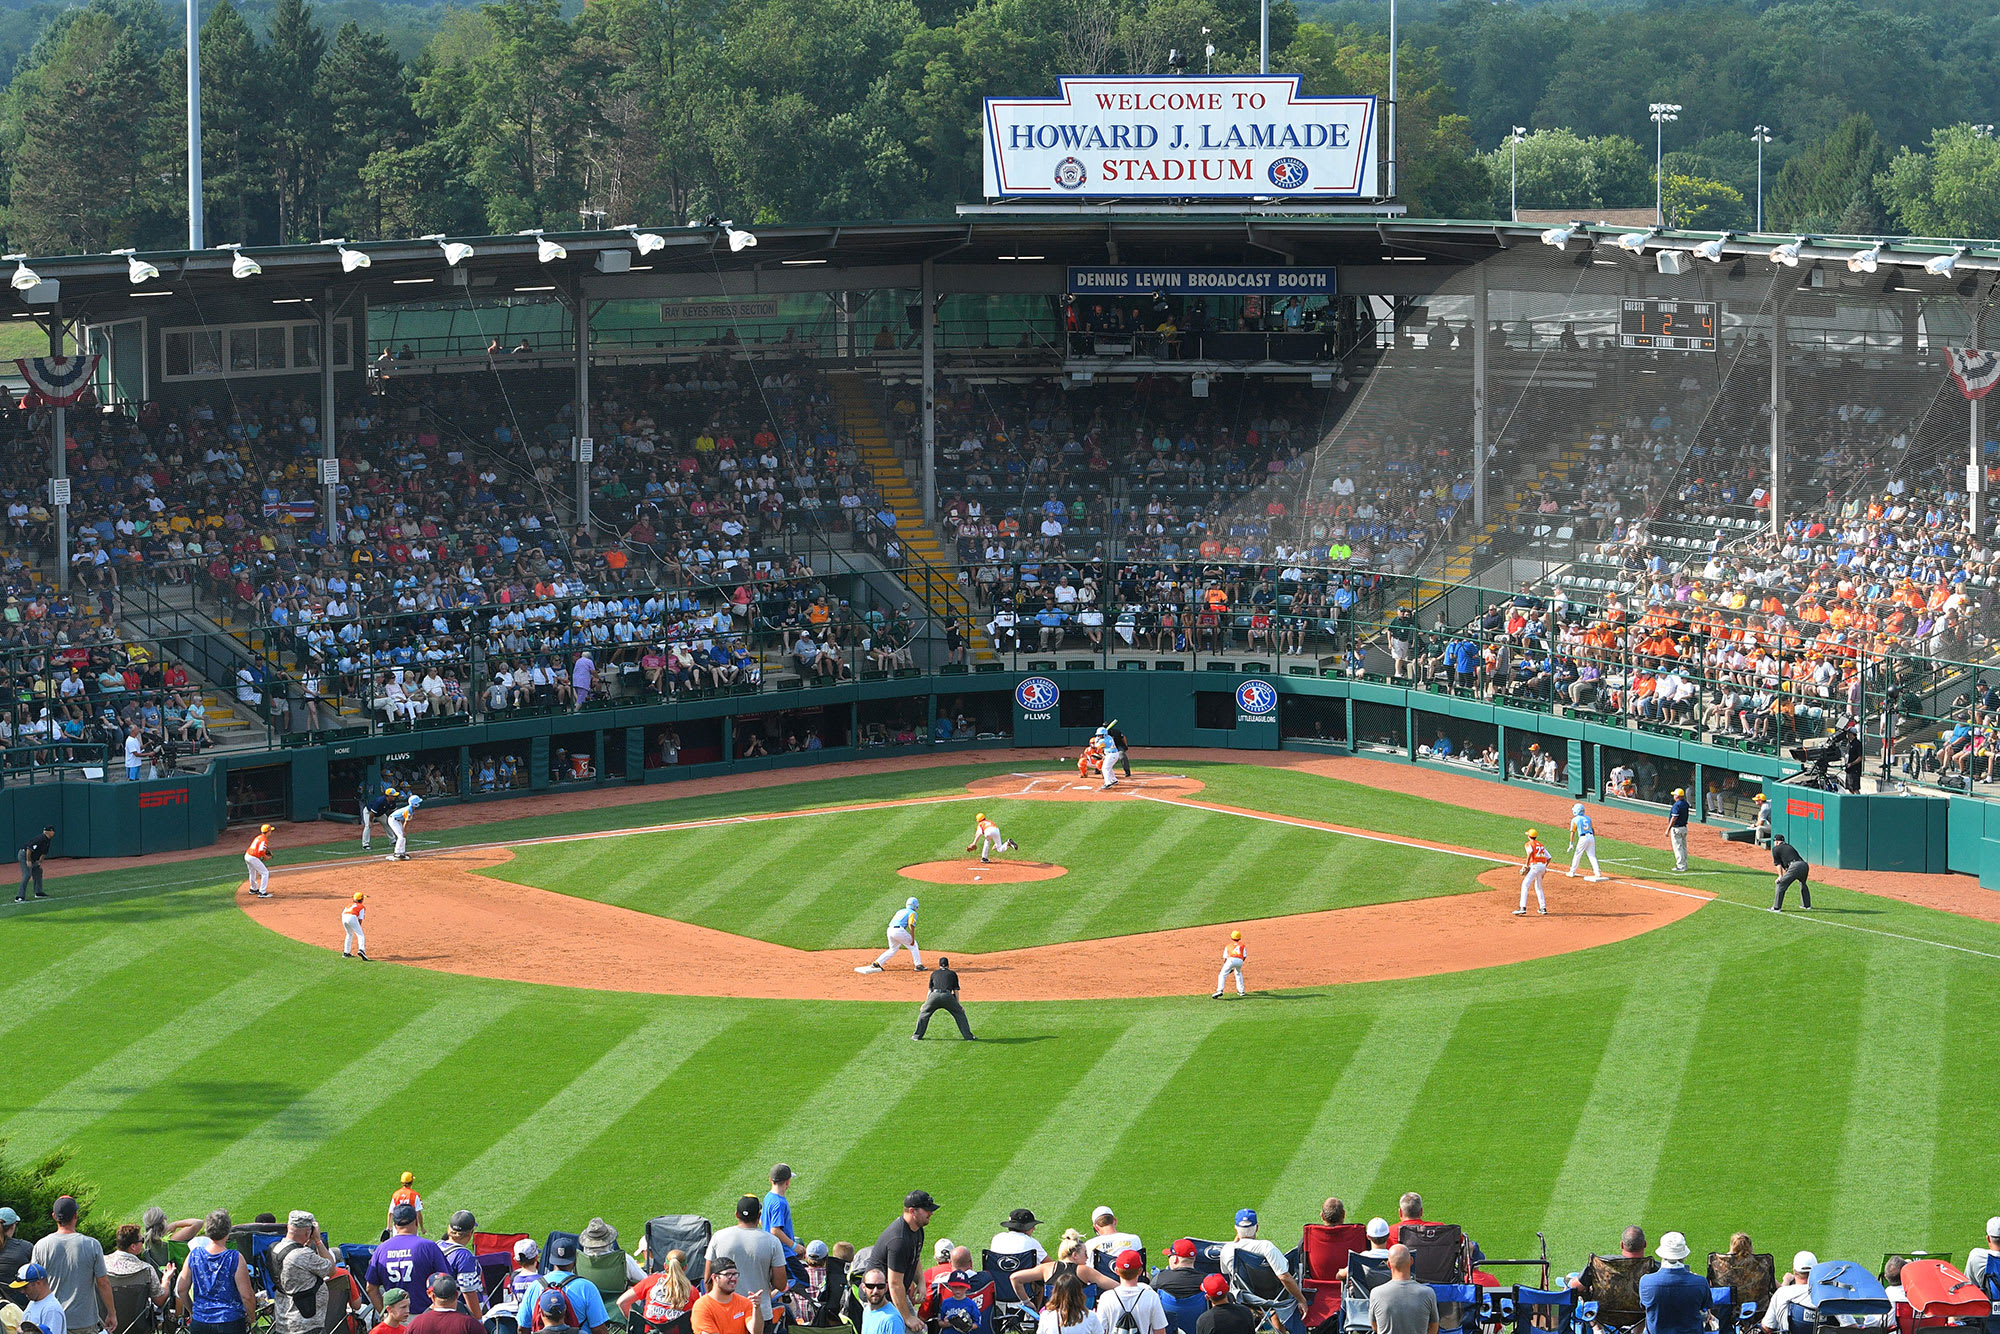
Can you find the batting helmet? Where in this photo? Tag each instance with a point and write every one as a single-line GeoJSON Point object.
{"type": "Point", "coordinates": [1236, 935]}
{"type": "Point", "coordinates": [910, 902]}
{"type": "Point", "coordinates": [980, 816]}
{"type": "Point", "coordinates": [1680, 792]}
{"type": "Point", "coordinates": [358, 897]}
{"type": "Point", "coordinates": [1577, 809]}
{"type": "Point", "coordinates": [1533, 834]}
{"type": "Point", "coordinates": [267, 829]}
{"type": "Point", "coordinates": [390, 792]}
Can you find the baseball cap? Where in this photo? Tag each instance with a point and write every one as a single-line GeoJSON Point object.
{"type": "Point", "coordinates": [300, 1218]}
{"type": "Point", "coordinates": [1992, 1224]}
{"type": "Point", "coordinates": [1215, 1285]}
{"type": "Point", "coordinates": [408, 1177]}
{"type": "Point", "coordinates": [8, 1216]}
{"type": "Point", "coordinates": [1246, 1218]}
{"type": "Point", "coordinates": [463, 1221]}
{"type": "Point", "coordinates": [1102, 1211]}
{"type": "Point", "coordinates": [403, 1214]}
{"type": "Point", "coordinates": [1804, 1261]}
{"type": "Point", "coordinates": [781, 1173]}
{"type": "Point", "coordinates": [65, 1207]}
{"type": "Point", "coordinates": [1378, 1229]}
{"type": "Point", "coordinates": [563, 1252]}
{"type": "Point", "coordinates": [942, 1251]}
{"type": "Point", "coordinates": [390, 1296]}
{"type": "Point", "coordinates": [444, 1284]}
{"type": "Point", "coordinates": [958, 1278]}
{"type": "Point", "coordinates": [722, 1264]}
{"type": "Point", "coordinates": [525, 1249]}
{"type": "Point", "coordinates": [920, 1199]}
{"type": "Point", "coordinates": [1184, 1248]}
{"type": "Point", "coordinates": [748, 1206]}
{"type": "Point", "coordinates": [1673, 1246]}
{"type": "Point", "coordinates": [30, 1274]}
{"type": "Point", "coordinates": [816, 1250]}
{"type": "Point", "coordinates": [1129, 1260]}
{"type": "Point", "coordinates": [1023, 1218]}
{"type": "Point", "coordinates": [553, 1302]}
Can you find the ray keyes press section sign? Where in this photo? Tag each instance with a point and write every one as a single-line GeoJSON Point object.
{"type": "Point", "coordinates": [1233, 136]}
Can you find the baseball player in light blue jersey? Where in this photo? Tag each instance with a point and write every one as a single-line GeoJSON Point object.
{"type": "Point", "coordinates": [1583, 842]}
{"type": "Point", "coordinates": [902, 936]}
{"type": "Point", "coordinates": [1111, 757]}
{"type": "Point", "coordinates": [399, 820]}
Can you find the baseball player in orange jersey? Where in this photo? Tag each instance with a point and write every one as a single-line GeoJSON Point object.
{"type": "Point", "coordinates": [351, 918]}
{"type": "Point", "coordinates": [1233, 955]}
{"type": "Point", "coordinates": [987, 838]}
{"type": "Point", "coordinates": [1091, 762]}
{"type": "Point", "coordinates": [256, 859]}
{"type": "Point", "coordinates": [1533, 868]}
{"type": "Point", "coordinates": [406, 1193]}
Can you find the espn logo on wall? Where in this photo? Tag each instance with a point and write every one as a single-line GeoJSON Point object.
{"type": "Point", "coordinates": [1808, 810]}
{"type": "Point", "coordinates": [173, 796]}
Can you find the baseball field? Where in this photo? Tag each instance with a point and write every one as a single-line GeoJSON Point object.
{"type": "Point", "coordinates": [635, 1009]}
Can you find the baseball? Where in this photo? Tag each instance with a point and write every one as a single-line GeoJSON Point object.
{"type": "Point", "coordinates": [977, 878]}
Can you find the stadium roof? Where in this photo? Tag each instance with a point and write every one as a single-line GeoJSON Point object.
{"type": "Point", "coordinates": [986, 253]}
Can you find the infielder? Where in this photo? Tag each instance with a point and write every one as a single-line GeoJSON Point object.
{"type": "Point", "coordinates": [1233, 955]}
{"type": "Point", "coordinates": [902, 936]}
{"type": "Point", "coordinates": [256, 859]}
{"type": "Point", "coordinates": [1108, 756]}
{"type": "Point", "coordinates": [378, 809]}
{"type": "Point", "coordinates": [351, 918]}
{"type": "Point", "coordinates": [1582, 843]}
{"type": "Point", "coordinates": [1532, 870]}
{"type": "Point", "coordinates": [987, 838]}
{"type": "Point", "coordinates": [399, 820]}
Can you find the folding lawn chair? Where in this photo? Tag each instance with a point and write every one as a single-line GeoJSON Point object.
{"type": "Point", "coordinates": [1614, 1282]}
{"type": "Point", "coordinates": [1207, 1258]}
{"type": "Point", "coordinates": [1439, 1252]}
{"type": "Point", "coordinates": [1323, 1250]}
{"type": "Point", "coordinates": [1538, 1309]}
{"type": "Point", "coordinates": [1008, 1309]}
{"type": "Point", "coordinates": [687, 1233]}
{"type": "Point", "coordinates": [1750, 1283]}
{"type": "Point", "coordinates": [1458, 1307]}
{"type": "Point", "coordinates": [1364, 1275]}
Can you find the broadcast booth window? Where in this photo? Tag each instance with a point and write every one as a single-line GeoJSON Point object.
{"type": "Point", "coordinates": [1081, 708]}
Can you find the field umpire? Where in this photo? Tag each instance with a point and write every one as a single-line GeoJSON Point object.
{"type": "Point", "coordinates": [1792, 870]}
{"type": "Point", "coordinates": [31, 863]}
{"type": "Point", "coordinates": [943, 996]}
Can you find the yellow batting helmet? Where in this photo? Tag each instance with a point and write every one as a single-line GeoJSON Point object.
{"type": "Point", "coordinates": [267, 829]}
{"type": "Point", "coordinates": [1533, 834]}
{"type": "Point", "coordinates": [409, 1177]}
{"type": "Point", "coordinates": [358, 897]}
{"type": "Point", "coordinates": [980, 816]}
{"type": "Point", "coordinates": [1236, 935]}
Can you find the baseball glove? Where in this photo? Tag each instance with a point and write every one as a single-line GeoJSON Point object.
{"type": "Point", "coordinates": [968, 847]}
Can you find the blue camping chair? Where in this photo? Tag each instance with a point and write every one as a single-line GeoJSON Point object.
{"type": "Point", "coordinates": [1525, 1302]}
{"type": "Point", "coordinates": [1253, 1283]}
{"type": "Point", "coordinates": [1364, 1275]}
{"type": "Point", "coordinates": [1182, 1312]}
{"type": "Point", "coordinates": [549, 1246]}
{"type": "Point", "coordinates": [1207, 1257]}
{"type": "Point", "coordinates": [1458, 1306]}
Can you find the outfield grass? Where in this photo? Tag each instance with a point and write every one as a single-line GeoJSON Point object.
{"type": "Point", "coordinates": [1821, 1085]}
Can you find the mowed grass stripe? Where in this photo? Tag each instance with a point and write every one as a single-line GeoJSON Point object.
{"type": "Point", "coordinates": [339, 1102]}
{"type": "Point", "coordinates": [1343, 1150]}
{"type": "Point", "coordinates": [1079, 1134]}
{"type": "Point", "coordinates": [799, 895]}
{"type": "Point", "coordinates": [1620, 1138]}
{"type": "Point", "coordinates": [145, 1061]}
{"type": "Point", "coordinates": [1074, 824]}
{"type": "Point", "coordinates": [1883, 1180]}
{"type": "Point", "coordinates": [1243, 843]}
{"type": "Point", "coordinates": [84, 969]}
{"type": "Point", "coordinates": [1130, 905]}
{"type": "Point", "coordinates": [537, 1146]}
{"type": "Point", "coordinates": [850, 1099]}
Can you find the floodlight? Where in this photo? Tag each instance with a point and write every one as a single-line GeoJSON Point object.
{"type": "Point", "coordinates": [1711, 250]}
{"type": "Point", "coordinates": [549, 251]}
{"type": "Point", "coordinates": [1636, 241]}
{"type": "Point", "coordinates": [647, 242]}
{"type": "Point", "coordinates": [138, 270]}
{"type": "Point", "coordinates": [24, 277]}
{"type": "Point", "coordinates": [1939, 266]}
{"type": "Point", "coordinates": [1559, 237]}
{"type": "Point", "coordinates": [1788, 253]}
{"type": "Point", "coordinates": [1865, 261]}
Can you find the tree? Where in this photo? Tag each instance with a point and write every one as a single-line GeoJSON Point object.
{"type": "Point", "coordinates": [1951, 189]}
{"type": "Point", "coordinates": [83, 177]}
{"type": "Point", "coordinates": [302, 120]}
{"type": "Point", "coordinates": [655, 163]}
{"type": "Point", "coordinates": [1563, 169]}
{"type": "Point", "coordinates": [1817, 190]}
{"type": "Point", "coordinates": [1696, 202]}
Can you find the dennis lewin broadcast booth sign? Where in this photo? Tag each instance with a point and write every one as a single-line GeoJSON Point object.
{"type": "Point", "coordinates": [1227, 136]}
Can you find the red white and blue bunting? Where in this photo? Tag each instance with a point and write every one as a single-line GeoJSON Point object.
{"type": "Point", "coordinates": [58, 381]}
{"type": "Point", "coordinates": [1976, 371]}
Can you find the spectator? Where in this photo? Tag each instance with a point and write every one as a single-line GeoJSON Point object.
{"type": "Point", "coordinates": [1225, 1315]}
{"type": "Point", "coordinates": [758, 1256]}
{"type": "Point", "coordinates": [1674, 1297]}
{"type": "Point", "coordinates": [407, 1258]}
{"type": "Point", "coordinates": [1402, 1305]}
{"type": "Point", "coordinates": [213, 1290]}
{"type": "Point", "coordinates": [15, 1251]}
{"type": "Point", "coordinates": [777, 1215]}
{"type": "Point", "coordinates": [39, 1306]}
{"type": "Point", "coordinates": [74, 1262]}
{"type": "Point", "coordinates": [1018, 1237]}
{"type": "Point", "coordinates": [1067, 1312]}
{"type": "Point", "coordinates": [582, 1303]}
{"type": "Point", "coordinates": [723, 1310]}
{"type": "Point", "coordinates": [301, 1266]}
{"type": "Point", "coordinates": [1334, 1212]}
{"type": "Point", "coordinates": [1110, 1240]}
{"type": "Point", "coordinates": [1133, 1305]}
{"type": "Point", "coordinates": [896, 1252]}
{"type": "Point", "coordinates": [1977, 1260]}
{"type": "Point", "coordinates": [157, 1232]}
{"type": "Point", "coordinates": [459, 1238]}
{"type": "Point", "coordinates": [127, 1268]}
{"type": "Point", "coordinates": [1180, 1279]}
{"type": "Point", "coordinates": [878, 1316]}
{"type": "Point", "coordinates": [1247, 1242]}
{"type": "Point", "coordinates": [1378, 1244]}
{"type": "Point", "coordinates": [443, 1315]}
{"type": "Point", "coordinates": [1794, 1291]}
{"type": "Point", "coordinates": [602, 1262]}
{"type": "Point", "coordinates": [660, 1303]}
{"type": "Point", "coordinates": [1631, 1245]}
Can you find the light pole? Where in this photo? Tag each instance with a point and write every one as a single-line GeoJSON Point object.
{"type": "Point", "coordinates": [195, 239]}
{"type": "Point", "coordinates": [1661, 112]}
{"type": "Point", "coordinates": [1760, 135]}
{"type": "Point", "coordinates": [1513, 174]}
{"type": "Point", "coordinates": [1392, 98]}
{"type": "Point", "coordinates": [1209, 52]}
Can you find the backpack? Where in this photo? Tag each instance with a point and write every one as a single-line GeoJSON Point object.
{"type": "Point", "coordinates": [538, 1319]}
{"type": "Point", "coordinates": [1128, 1321]}
{"type": "Point", "coordinates": [307, 1298]}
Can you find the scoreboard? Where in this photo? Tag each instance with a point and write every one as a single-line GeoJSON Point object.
{"type": "Point", "coordinates": [1669, 326]}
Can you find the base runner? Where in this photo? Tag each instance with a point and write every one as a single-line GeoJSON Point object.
{"type": "Point", "coordinates": [351, 918]}
{"type": "Point", "coordinates": [1583, 842]}
{"type": "Point", "coordinates": [902, 936]}
{"type": "Point", "coordinates": [399, 821]}
{"type": "Point", "coordinates": [1233, 957]}
{"type": "Point", "coordinates": [257, 860]}
{"type": "Point", "coordinates": [1533, 869]}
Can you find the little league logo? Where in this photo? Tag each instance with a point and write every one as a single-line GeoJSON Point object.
{"type": "Point", "coordinates": [1037, 694]}
{"type": "Point", "coordinates": [1288, 173]}
{"type": "Point", "coordinates": [1071, 174]}
{"type": "Point", "coordinates": [1255, 697]}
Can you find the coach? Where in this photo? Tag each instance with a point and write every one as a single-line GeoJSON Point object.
{"type": "Point", "coordinates": [943, 996]}
{"type": "Point", "coordinates": [1792, 870]}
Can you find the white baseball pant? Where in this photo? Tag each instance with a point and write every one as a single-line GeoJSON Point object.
{"type": "Point", "coordinates": [1532, 879]}
{"type": "Point", "coordinates": [990, 841]}
{"type": "Point", "coordinates": [1678, 836]}
{"type": "Point", "coordinates": [1586, 846]}
{"type": "Point", "coordinates": [1229, 967]}
{"type": "Point", "coordinates": [356, 939]}
{"type": "Point", "coordinates": [899, 939]}
{"type": "Point", "coordinates": [260, 874]}
{"type": "Point", "coordinates": [1110, 766]}
{"type": "Point", "coordinates": [367, 826]}
{"type": "Point", "coordinates": [397, 819]}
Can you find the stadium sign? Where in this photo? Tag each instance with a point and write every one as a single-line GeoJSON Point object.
{"type": "Point", "coordinates": [1226, 136]}
{"type": "Point", "coordinates": [1133, 280]}
{"type": "Point", "coordinates": [1256, 702]}
{"type": "Point", "coordinates": [1037, 696]}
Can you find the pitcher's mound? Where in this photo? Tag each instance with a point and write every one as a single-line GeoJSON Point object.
{"type": "Point", "coordinates": [992, 873]}
{"type": "Point", "coordinates": [1064, 785]}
